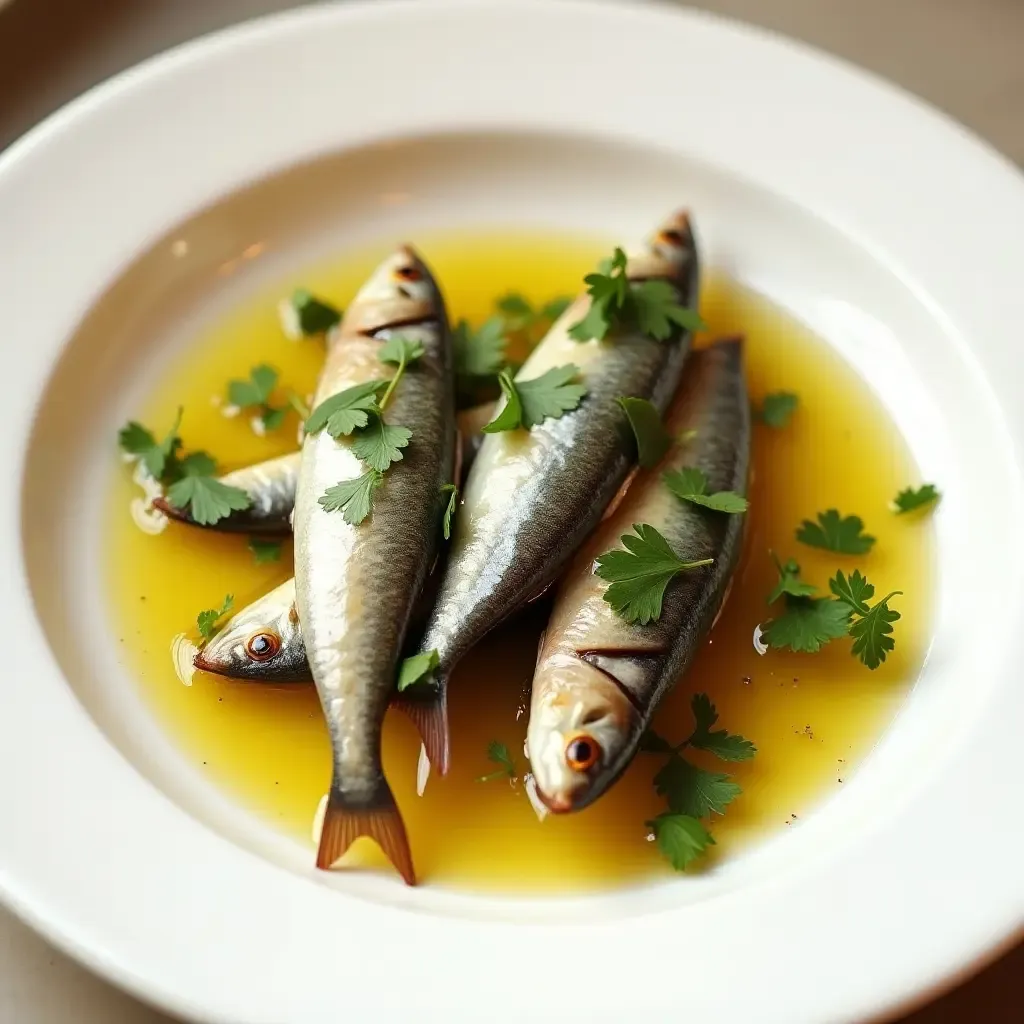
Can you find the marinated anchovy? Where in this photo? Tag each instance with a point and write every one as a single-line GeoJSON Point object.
{"type": "Point", "coordinates": [599, 678]}
{"type": "Point", "coordinates": [355, 585]}
{"type": "Point", "coordinates": [271, 489]}
{"type": "Point", "coordinates": [533, 495]}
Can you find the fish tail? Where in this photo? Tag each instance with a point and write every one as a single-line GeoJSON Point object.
{"type": "Point", "coordinates": [429, 713]}
{"type": "Point", "coordinates": [345, 822]}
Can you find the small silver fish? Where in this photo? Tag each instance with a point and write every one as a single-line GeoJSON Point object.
{"type": "Point", "coordinates": [262, 642]}
{"type": "Point", "coordinates": [271, 489]}
{"type": "Point", "coordinates": [533, 495]}
{"type": "Point", "coordinates": [599, 678]}
{"type": "Point", "coordinates": [355, 586]}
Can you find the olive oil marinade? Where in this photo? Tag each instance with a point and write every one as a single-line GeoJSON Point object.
{"type": "Point", "coordinates": [812, 717]}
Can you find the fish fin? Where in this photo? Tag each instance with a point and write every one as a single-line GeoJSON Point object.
{"type": "Point", "coordinates": [429, 713]}
{"type": "Point", "coordinates": [344, 823]}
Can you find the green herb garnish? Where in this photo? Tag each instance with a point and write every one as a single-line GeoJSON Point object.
{"type": "Point", "coordinates": [871, 628]}
{"type": "Point", "coordinates": [347, 410]}
{"type": "Point", "coordinates": [255, 393]}
{"type": "Point", "coordinates": [914, 498]}
{"type": "Point", "coordinates": [379, 444]}
{"type": "Point", "coordinates": [499, 754]}
{"type": "Point", "coordinates": [305, 316]}
{"type": "Point", "coordinates": [207, 499]}
{"type": "Point", "coordinates": [616, 301]}
{"type": "Point", "coordinates": [807, 622]}
{"type": "Point", "coordinates": [401, 352]}
{"type": "Point", "coordinates": [264, 551]}
{"type": "Point", "coordinates": [417, 667]}
{"type": "Point", "coordinates": [453, 496]}
{"type": "Point", "coordinates": [640, 575]}
{"type": "Point", "coordinates": [690, 484]}
{"type": "Point", "coordinates": [652, 439]}
{"type": "Point", "coordinates": [479, 353]}
{"type": "Point", "coordinates": [155, 455]}
{"type": "Point", "coordinates": [207, 620]}
{"type": "Point", "coordinates": [836, 533]}
{"type": "Point", "coordinates": [529, 402]}
{"type": "Point", "coordinates": [354, 498]}
{"type": "Point", "coordinates": [777, 409]}
{"type": "Point", "coordinates": [690, 792]}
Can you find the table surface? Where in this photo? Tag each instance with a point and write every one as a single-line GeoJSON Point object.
{"type": "Point", "coordinates": [965, 56]}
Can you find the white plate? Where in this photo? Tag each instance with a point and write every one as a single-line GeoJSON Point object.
{"type": "Point", "coordinates": [886, 227]}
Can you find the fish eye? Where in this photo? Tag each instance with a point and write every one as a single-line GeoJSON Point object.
{"type": "Point", "coordinates": [582, 752]}
{"type": "Point", "coordinates": [408, 273]}
{"type": "Point", "coordinates": [262, 646]}
{"type": "Point", "coordinates": [670, 236]}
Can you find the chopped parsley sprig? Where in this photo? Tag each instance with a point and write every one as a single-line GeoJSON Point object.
{"type": "Point", "coordinates": [693, 793]}
{"type": "Point", "coordinates": [189, 480]}
{"type": "Point", "coordinates": [529, 402]}
{"type": "Point", "coordinates": [615, 301]}
{"type": "Point", "coordinates": [640, 574]}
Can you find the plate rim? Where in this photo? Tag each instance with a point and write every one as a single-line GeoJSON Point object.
{"type": "Point", "coordinates": [220, 44]}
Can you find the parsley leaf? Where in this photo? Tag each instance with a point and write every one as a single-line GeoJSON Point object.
{"type": "Point", "coordinates": [615, 300]}
{"type": "Point", "coordinates": [207, 498]}
{"type": "Point", "coordinates": [511, 415]}
{"type": "Point", "coordinates": [722, 744]}
{"type": "Point", "coordinates": [400, 350]}
{"type": "Point", "coordinates": [304, 315]}
{"type": "Point", "coordinates": [608, 290]}
{"type": "Point", "coordinates": [155, 455]}
{"type": "Point", "coordinates": [499, 754]}
{"type": "Point", "coordinates": [777, 408]}
{"type": "Point", "coordinates": [690, 484]}
{"type": "Point", "coordinates": [346, 411]}
{"type": "Point", "coordinates": [872, 626]}
{"type": "Point", "coordinates": [380, 444]}
{"type": "Point", "coordinates": [652, 440]}
{"type": "Point", "coordinates": [855, 590]}
{"type": "Point", "coordinates": [265, 551]}
{"type": "Point", "coordinates": [872, 633]}
{"type": "Point", "coordinates": [529, 402]}
{"type": "Point", "coordinates": [195, 464]}
{"type": "Point", "coordinates": [479, 353]}
{"type": "Point", "coordinates": [640, 575]}
{"type": "Point", "coordinates": [681, 838]}
{"type": "Point", "coordinates": [835, 533]}
{"type": "Point", "coordinates": [910, 499]}
{"type": "Point", "coordinates": [207, 620]}
{"type": "Point", "coordinates": [354, 498]}
{"type": "Point", "coordinates": [453, 496]}
{"type": "Point", "coordinates": [654, 743]}
{"type": "Point", "coordinates": [416, 667]}
{"type": "Point", "coordinates": [790, 582]}
{"type": "Point", "coordinates": [694, 791]}
{"type": "Point", "coordinates": [254, 391]}
{"type": "Point", "coordinates": [807, 624]}
{"type": "Point", "coordinates": [657, 312]}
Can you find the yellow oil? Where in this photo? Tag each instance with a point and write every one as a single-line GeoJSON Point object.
{"type": "Point", "coordinates": [813, 717]}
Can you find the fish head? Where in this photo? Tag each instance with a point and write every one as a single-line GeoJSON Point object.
{"type": "Point", "coordinates": [263, 642]}
{"type": "Point", "coordinates": [582, 733]}
{"type": "Point", "coordinates": [400, 291]}
{"type": "Point", "coordinates": [670, 252]}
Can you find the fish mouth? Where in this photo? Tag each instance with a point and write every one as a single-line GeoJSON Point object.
{"type": "Point", "coordinates": [399, 322]}
{"type": "Point", "coordinates": [207, 666]}
{"type": "Point", "coordinates": [168, 509]}
{"type": "Point", "coordinates": [556, 804]}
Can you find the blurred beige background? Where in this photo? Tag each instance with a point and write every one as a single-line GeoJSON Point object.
{"type": "Point", "coordinates": [965, 56]}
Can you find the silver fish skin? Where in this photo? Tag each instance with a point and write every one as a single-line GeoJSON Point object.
{"type": "Point", "coordinates": [533, 495]}
{"type": "Point", "coordinates": [599, 679]}
{"type": "Point", "coordinates": [262, 642]}
{"type": "Point", "coordinates": [271, 484]}
{"type": "Point", "coordinates": [271, 489]}
{"type": "Point", "coordinates": [355, 586]}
